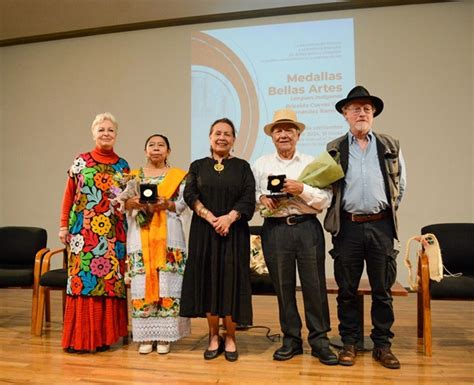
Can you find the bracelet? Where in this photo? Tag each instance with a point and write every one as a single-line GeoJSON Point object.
{"type": "Point", "coordinates": [203, 212]}
{"type": "Point", "coordinates": [237, 216]}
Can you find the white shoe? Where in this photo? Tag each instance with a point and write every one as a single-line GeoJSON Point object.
{"type": "Point", "coordinates": [145, 348]}
{"type": "Point", "coordinates": [163, 347]}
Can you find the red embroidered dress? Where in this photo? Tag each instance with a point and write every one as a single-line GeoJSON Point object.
{"type": "Point", "coordinates": [96, 310]}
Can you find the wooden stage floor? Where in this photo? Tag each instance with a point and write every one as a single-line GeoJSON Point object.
{"type": "Point", "coordinates": [25, 359]}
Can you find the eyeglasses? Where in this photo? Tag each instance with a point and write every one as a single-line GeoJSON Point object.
{"type": "Point", "coordinates": [357, 110]}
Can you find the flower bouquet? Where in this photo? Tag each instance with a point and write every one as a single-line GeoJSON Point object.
{"type": "Point", "coordinates": [126, 186]}
{"type": "Point", "coordinates": [321, 172]}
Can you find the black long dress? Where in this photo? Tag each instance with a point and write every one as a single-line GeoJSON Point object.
{"type": "Point", "coordinates": [217, 275]}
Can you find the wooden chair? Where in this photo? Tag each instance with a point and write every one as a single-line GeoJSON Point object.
{"type": "Point", "coordinates": [456, 241]}
{"type": "Point", "coordinates": [21, 252]}
{"type": "Point", "coordinates": [261, 283]}
{"type": "Point", "coordinates": [50, 280]}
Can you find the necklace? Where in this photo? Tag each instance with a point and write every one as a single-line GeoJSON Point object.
{"type": "Point", "coordinates": [161, 171]}
{"type": "Point", "coordinates": [218, 166]}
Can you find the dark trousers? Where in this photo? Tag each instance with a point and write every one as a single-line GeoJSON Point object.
{"type": "Point", "coordinates": [371, 242]}
{"type": "Point", "coordinates": [285, 248]}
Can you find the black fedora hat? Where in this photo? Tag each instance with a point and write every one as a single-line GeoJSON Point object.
{"type": "Point", "coordinates": [359, 92]}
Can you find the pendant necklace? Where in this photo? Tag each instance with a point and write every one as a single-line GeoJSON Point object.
{"type": "Point", "coordinates": [218, 166]}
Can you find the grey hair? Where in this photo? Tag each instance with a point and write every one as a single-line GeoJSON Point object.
{"type": "Point", "coordinates": [101, 117]}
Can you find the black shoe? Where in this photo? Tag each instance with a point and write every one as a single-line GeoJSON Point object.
{"type": "Point", "coordinates": [102, 348]}
{"type": "Point", "coordinates": [71, 350]}
{"type": "Point", "coordinates": [211, 354]}
{"type": "Point", "coordinates": [231, 356]}
{"type": "Point", "coordinates": [286, 352]}
{"type": "Point", "coordinates": [326, 356]}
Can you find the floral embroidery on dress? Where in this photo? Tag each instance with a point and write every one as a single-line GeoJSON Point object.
{"type": "Point", "coordinates": [175, 261]}
{"type": "Point", "coordinates": [158, 320]}
{"type": "Point", "coordinates": [135, 263]}
{"type": "Point", "coordinates": [165, 307]}
{"type": "Point", "coordinates": [97, 231]}
{"type": "Point", "coordinates": [78, 165]}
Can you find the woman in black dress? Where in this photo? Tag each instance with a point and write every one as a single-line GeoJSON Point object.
{"type": "Point", "coordinates": [221, 191]}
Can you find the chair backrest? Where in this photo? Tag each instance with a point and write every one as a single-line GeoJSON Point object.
{"type": "Point", "coordinates": [19, 245]}
{"type": "Point", "coordinates": [456, 241]}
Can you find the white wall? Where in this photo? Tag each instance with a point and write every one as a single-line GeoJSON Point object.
{"type": "Point", "coordinates": [418, 59]}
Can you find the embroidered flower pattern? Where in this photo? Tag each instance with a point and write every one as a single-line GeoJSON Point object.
{"type": "Point", "coordinates": [135, 263]}
{"type": "Point", "coordinates": [169, 307]}
{"type": "Point", "coordinates": [78, 165]}
{"type": "Point", "coordinates": [167, 303]}
{"type": "Point", "coordinates": [103, 180]}
{"type": "Point", "coordinates": [175, 261]}
{"type": "Point", "coordinates": [81, 205]}
{"type": "Point", "coordinates": [76, 243]}
{"type": "Point", "coordinates": [100, 266]}
{"type": "Point", "coordinates": [76, 285]}
{"type": "Point", "coordinates": [165, 307]}
{"type": "Point", "coordinates": [96, 263]}
{"type": "Point", "coordinates": [101, 224]}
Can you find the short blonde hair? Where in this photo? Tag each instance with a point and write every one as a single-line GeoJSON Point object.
{"type": "Point", "coordinates": [101, 117]}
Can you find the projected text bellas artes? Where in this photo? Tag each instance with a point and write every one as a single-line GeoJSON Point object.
{"type": "Point", "coordinates": [313, 77]}
{"type": "Point", "coordinates": [286, 90]}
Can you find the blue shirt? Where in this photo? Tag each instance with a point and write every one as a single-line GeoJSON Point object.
{"type": "Point", "coordinates": [364, 187]}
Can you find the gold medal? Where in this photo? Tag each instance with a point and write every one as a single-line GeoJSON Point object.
{"type": "Point", "coordinates": [275, 182]}
{"type": "Point", "coordinates": [218, 167]}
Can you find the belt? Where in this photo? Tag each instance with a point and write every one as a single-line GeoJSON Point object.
{"type": "Point", "coordinates": [291, 219]}
{"type": "Point", "coordinates": [360, 218]}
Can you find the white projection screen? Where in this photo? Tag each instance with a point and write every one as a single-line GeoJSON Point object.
{"type": "Point", "coordinates": [247, 73]}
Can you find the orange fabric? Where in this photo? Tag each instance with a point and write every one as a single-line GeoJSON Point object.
{"type": "Point", "coordinates": [153, 237]}
{"type": "Point", "coordinates": [92, 322]}
{"type": "Point", "coordinates": [104, 156]}
{"type": "Point", "coordinates": [68, 199]}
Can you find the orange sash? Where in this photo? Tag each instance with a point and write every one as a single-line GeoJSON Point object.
{"type": "Point", "coordinates": [153, 236]}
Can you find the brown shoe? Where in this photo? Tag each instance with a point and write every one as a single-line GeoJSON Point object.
{"type": "Point", "coordinates": [347, 355]}
{"type": "Point", "coordinates": [386, 357]}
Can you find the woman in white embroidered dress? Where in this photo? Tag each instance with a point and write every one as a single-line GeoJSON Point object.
{"type": "Point", "coordinates": [156, 250]}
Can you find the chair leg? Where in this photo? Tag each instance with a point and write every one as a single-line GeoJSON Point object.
{"type": "Point", "coordinates": [425, 288]}
{"type": "Point", "coordinates": [419, 305]}
{"type": "Point", "coordinates": [34, 310]}
{"type": "Point", "coordinates": [419, 314]}
{"type": "Point", "coordinates": [40, 312]}
{"type": "Point", "coordinates": [47, 302]}
{"type": "Point", "coordinates": [36, 278]}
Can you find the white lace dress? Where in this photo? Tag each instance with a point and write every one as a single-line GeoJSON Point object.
{"type": "Point", "coordinates": [159, 321]}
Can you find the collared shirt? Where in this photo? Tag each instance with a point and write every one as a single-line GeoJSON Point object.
{"type": "Point", "coordinates": [311, 201]}
{"type": "Point", "coordinates": [364, 187]}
